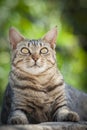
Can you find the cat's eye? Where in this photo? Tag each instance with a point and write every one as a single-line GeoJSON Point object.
{"type": "Point", "coordinates": [44, 50]}
{"type": "Point", "coordinates": [25, 50]}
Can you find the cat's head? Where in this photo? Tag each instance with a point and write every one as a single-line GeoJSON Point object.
{"type": "Point", "coordinates": [33, 56]}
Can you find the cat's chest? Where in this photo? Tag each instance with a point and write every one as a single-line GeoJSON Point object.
{"type": "Point", "coordinates": [41, 106]}
{"type": "Point", "coordinates": [38, 104]}
{"type": "Point", "coordinates": [39, 98]}
{"type": "Point", "coordinates": [36, 99]}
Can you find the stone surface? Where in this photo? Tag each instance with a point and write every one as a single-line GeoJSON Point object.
{"type": "Point", "coordinates": [48, 126]}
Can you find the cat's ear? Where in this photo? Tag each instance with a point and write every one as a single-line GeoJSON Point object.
{"type": "Point", "coordinates": [51, 37]}
{"type": "Point", "coordinates": [14, 37]}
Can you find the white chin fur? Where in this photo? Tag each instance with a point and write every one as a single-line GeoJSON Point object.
{"type": "Point", "coordinates": [34, 70]}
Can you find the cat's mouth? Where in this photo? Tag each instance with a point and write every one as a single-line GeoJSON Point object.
{"type": "Point", "coordinates": [35, 65]}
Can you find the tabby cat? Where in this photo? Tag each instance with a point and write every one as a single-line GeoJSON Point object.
{"type": "Point", "coordinates": [36, 91]}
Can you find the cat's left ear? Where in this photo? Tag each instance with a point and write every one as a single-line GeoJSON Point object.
{"type": "Point", "coordinates": [15, 37]}
{"type": "Point", "coordinates": [51, 37]}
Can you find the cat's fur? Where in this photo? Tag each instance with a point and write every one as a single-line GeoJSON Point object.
{"type": "Point", "coordinates": [36, 91]}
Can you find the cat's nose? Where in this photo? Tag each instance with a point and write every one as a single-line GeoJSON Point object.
{"type": "Point", "coordinates": [35, 57]}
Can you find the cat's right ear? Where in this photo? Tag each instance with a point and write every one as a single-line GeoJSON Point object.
{"type": "Point", "coordinates": [15, 37]}
{"type": "Point", "coordinates": [51, 37]}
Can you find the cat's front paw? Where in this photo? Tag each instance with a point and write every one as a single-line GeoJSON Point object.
{"type": "Point", "coordinates": [69, 116]}
{"type": "Point", "coordinates": [17, 117]}
{"type": "Point", "coordinates": [17, 120]}
{"type": "Point", "coordinates": [66, 115]}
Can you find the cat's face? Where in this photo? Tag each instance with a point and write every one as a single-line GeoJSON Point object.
{"type": "Point", "coordinates": [32, 56]}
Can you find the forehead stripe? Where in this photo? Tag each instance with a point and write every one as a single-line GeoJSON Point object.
{"type": "Point", "coordinates": [28, 44]}
{"type": "Point", "coordinates": [41, 44]}
{"type": "Point", "coordinates": [35, 43]}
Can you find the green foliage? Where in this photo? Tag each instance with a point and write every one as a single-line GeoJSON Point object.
{"type": "Point", "coordinates": [34, 18]}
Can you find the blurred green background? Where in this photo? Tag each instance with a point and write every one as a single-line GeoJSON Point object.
{"type": "Point", "coordinates": [33, 18]}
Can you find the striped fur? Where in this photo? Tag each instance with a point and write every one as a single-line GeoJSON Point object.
{"type": "Point", "coordinates": [37, 88]}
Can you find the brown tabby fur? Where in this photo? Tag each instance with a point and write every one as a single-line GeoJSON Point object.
{"type": "Point", "coordinates": [36, 89]}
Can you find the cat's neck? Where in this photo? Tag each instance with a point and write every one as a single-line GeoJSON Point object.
{"type": "Point", "coordinates": [49, 77]}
